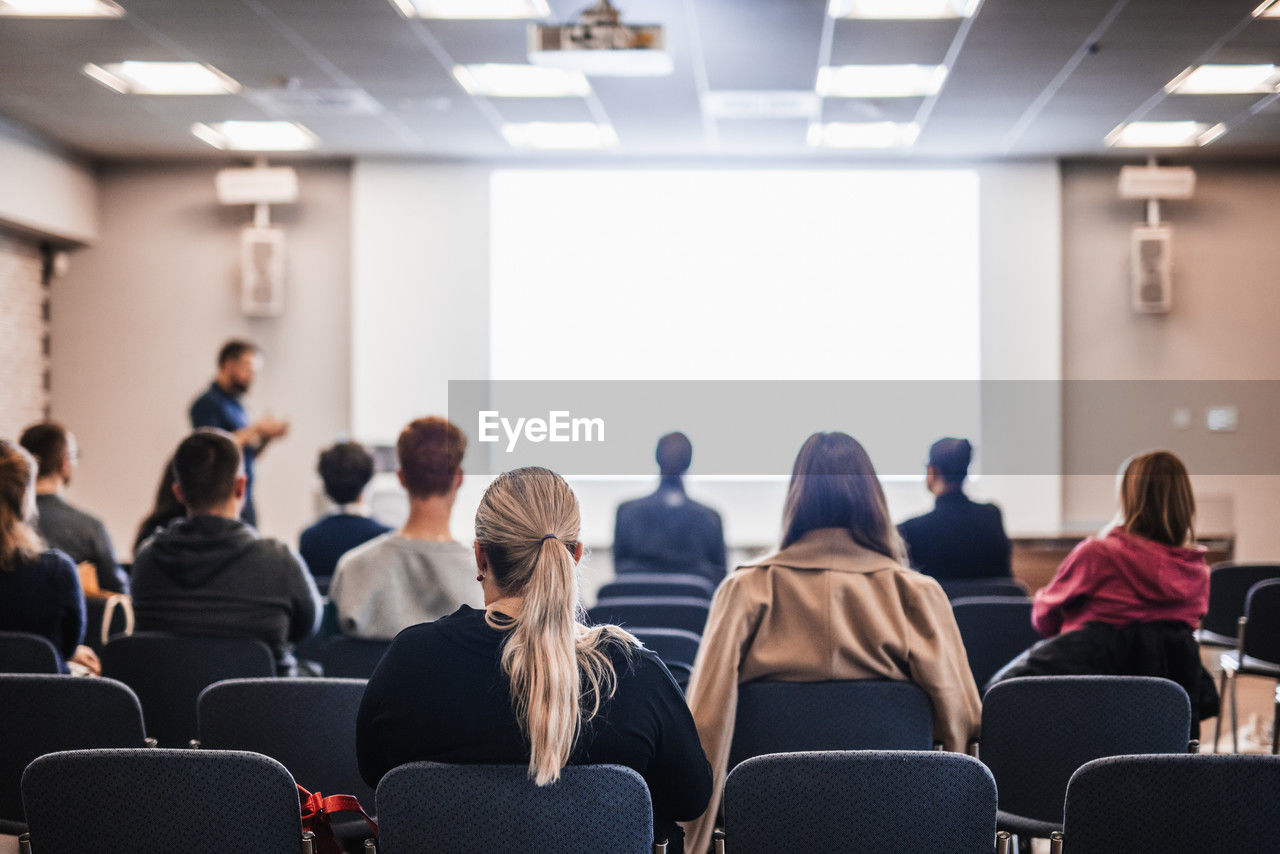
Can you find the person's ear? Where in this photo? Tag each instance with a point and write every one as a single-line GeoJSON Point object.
{"type": "Point", "coordinates": [400, 477]}
{"type": "Point", "coordinates": [67, 467]}
{"type": "Point", "coordinates": [241, 487]}
{"type": "Point", "coordinates": [457, 481]}
{"type": "Point", "coordinates": [177, 493]}
{"type": "Point", "coordinates": [577, 551]}
{"type": "Point", "coordinates": [482, 559]}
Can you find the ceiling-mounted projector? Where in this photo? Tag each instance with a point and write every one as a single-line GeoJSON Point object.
{"type": "Point", "coordinates": [600, 44]}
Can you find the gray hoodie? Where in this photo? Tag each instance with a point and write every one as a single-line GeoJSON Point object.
{"type": "Point", "coordinates": [215, 577]}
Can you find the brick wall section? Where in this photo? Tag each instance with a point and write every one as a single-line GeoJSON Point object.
{"type": "Point", "coordinates": [24, 328]}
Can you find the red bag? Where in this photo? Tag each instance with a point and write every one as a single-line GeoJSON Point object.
{"type": "Point", "coordinates": [316, 810]}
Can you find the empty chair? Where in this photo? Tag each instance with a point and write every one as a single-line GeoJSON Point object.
{"type": "Point", "coordinates": [857, 714]}
{"type": "Point", "coordinates": [658, 584]}
{"type": "Point", "coordinates": [352, 658]}
{"type": "Point", "coordinates": [157, 801]}
{"type": "Point", "coordinates": [428, 806]}
{"type": "Point", "coordinates": [47, 713]}
{"type": "Point", "coordinates": [672, 612]}
{"type": "Point", "coordinates": [1037, 730]}
{"type": "Point", "coordinates": [673, 646]}
{"type": "Point", "coordinates": [864, 801]}
{"type": "Point", "coordinates": [1257, 653]}
{"type": "Point", "coordinates": [168, 673]}
{"type": "Point", "coordinates": [966, 588]}
{"type": "Point", "coordinates": [307, 725]}
{"type": "Point", "coordinates": [1159, 804]}
{"type": "Point", "coordinates": [1229, 584]}
{"type": "Point", "coordinates": [995, 630]}
{"type": "Point", "coordinates": [22, 652]}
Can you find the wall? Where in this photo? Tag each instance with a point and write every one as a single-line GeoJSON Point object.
{"type": "Point", "coordinates": [138, 321]}
{"type": "Point", "coordinates": [1222, 327]}
{"type": "Point", "coordinates": [23, 396]}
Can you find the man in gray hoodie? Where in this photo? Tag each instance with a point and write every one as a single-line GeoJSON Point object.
{"type": "Point", "coordinates": [209, 573]}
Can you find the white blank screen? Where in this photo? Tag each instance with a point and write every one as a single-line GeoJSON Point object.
{"type": "Point", "coordinates": [734, 274]}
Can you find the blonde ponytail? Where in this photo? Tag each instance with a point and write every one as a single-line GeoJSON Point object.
{"type": "Point", "coordinates": [559, 669]}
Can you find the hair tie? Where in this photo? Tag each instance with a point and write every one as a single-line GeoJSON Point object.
{"type": "Point", "coordinates": [549, 537]}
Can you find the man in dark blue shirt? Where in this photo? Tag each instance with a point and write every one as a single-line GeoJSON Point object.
{"type": "Point", "coordinates": [220, 407]}
{"type": "Point", "coordinates": [346, 469]}
{"type": "Point", "coordinates": [960, 538]}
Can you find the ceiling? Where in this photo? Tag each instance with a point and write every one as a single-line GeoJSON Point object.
{"type": "Point", "coordinates": [1029, 78]}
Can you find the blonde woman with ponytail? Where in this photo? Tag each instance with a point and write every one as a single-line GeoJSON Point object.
{"type": "Point", "coordinates": [524, 681]}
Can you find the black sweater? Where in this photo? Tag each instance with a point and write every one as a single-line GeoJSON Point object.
{"type": "Point", "coordinates": [440, 694]}
{"type": "Point", "coordinates": [42, 596]}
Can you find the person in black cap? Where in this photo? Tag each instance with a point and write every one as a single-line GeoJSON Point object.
{"type": "Point", "coordinates": [959, 538]}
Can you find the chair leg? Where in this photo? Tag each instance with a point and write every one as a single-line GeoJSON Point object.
{"type": "Point", "coordinates": [1222, 708]}
{"type": "Point", "coordinates": [1235, 724]}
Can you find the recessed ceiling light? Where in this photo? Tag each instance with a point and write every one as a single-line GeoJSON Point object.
{"type": "Point", "coordinates": [472, 10]}
{"type": "Point", "coordinates": [521, 81]}
{"type": "Point", "coordinates": [863, 134]}
{"type": "Point", "coordinates": [1156, 134]}
{"type": "Point", "coordinates": [880, 81]}
{"type": "Point", "coordinates": [902, 9]}
{"type": "Point", "coordinates": [567, 135]}
{"type": "Point", "coordinates": [162, 78]}
{"type": "Point", "coordinates": [256, 136]}
{"type": "Point", "coordinates": [60, 9]}
{"type": "Point", "coordinates": [1224, 80]}
{"type": "Point", "coordinates": [1268, 9]}
{"type": "Point", "coordinates": [762, 104]}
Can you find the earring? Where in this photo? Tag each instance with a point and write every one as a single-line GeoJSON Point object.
{"type": "Point", "coordinates": [479, 578]}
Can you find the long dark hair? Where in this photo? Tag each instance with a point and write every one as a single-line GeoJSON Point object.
{"type": "Point", "coordinates": [1156, 500]}
{"type": "Point", "coordinates": [17, 499]}
{"type": "Point", "coordinates": [834, 485]}
{"type": "Point", "coordinates": [167, 507]}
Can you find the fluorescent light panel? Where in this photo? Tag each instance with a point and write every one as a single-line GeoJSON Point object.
{"type": "Point", "coordinates": [1224, 80]}
{"type": "Point", "coordinates": [256, 136]}
{"type": "Point", "coordinates": [880, 81]}
{"type": "Point", "coordinates": [496, 80]}
{"type": "Point", "coordinates": [863, 134]}
{"type": "Point", "coordinates": [60, 9]}
{"type": "Point", "coordinates": [1179, 134]}
{"type": "Point", "coordinates": [162, 78]}
{"type": "Point", "coordinates": [473, 10]}
{"type": "Point", "coordinates": [560, 135]}
{"type": "Point", "coordinates": [1268, 9]}
{"type": "Point", "coordinates": [902, 10]}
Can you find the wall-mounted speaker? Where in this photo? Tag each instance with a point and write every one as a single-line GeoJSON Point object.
{"type": "Point", "coordinates": [1151, 269]}
{"type": "Point", "coordinates": [262, 271]}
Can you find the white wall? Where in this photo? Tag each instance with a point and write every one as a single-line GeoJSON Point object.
{"type": "Point", "coordinates": [45, 192]}
{"type": "Point", "coordinates": [138, 321]}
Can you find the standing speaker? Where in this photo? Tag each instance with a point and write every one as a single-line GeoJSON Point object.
{"type": "Point", "coordinates": [1151, 269]}
{"type": "Point", "coordinates": [262, 271]}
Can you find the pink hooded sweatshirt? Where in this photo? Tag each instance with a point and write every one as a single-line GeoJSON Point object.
{"type": "Point", "coordinates": [1121, 579]}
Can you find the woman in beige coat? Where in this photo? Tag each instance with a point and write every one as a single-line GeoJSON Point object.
{"type": "Point", "coordinates": [835, 602]}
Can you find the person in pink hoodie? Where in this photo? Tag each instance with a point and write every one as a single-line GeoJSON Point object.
{"type": "Point", "coordinates": [1128, 601]}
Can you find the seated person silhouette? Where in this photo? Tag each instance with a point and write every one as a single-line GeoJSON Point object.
{"type": "Point", "coordinates": [959, 538]}
{"type": "Point", "coordinates": [667, 531]}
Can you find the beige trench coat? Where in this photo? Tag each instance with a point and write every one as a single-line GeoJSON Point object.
{"type": "Point", "coordinates": [826, 608]}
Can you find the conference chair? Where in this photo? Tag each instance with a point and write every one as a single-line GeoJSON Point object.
{"type": "Point", "coordinates": [44, 713]}
{"type": "Point", "coordinates": [1257, 653]}
{"type": "Point", "coordinates": [160, 801]}
{"type": "Point", "coordinates": [658, 584]}
{"type": "Point", "coordinates": [1159, 804]}
{"type": "Point", "coordinates": [428, 806]}
{"type": "Point", "coordinates": [312, 649]}
{"type": "Point", "coordinates": [995, 630]}
{"type": "Point", "coordinates": [671, 612]}
{"type": "Point", "coordinates": [966, 588]}
{"type": "Point", "coordinates": [23, 652]}
{"type": "Point", "coordinates": [860, 802]}
{"type": "Point", "coordinates": [168, 672]}
{"type": "Point", "coordinates": [1229, 585]}
{"type": "Point", "coordinates": [673, 646]}
{"type": "Point", "coordinates": [855, 714]}
{"type": "Point", "coordinates": [352, 658]}
{"type": "Point", "coordinates": [1037, 730]}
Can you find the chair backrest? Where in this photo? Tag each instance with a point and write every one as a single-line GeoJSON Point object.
{"type": "Point", "coordinates": [22, 652]}
{"type": "Point", "coordinates": [673, 612]}
{"type": "Point", "coordinates": [1262, 631]}
{"type": "Point", "coordinates": [860, 801]}
{"type": "Point", "coordinates": [965, 588]}
{"type": "Point", "coordinates": [1037, 730]}
{"type": "Point", "coordinates": [352, 658]}
{"type": "Point", "coordinates": [857, 714]}
{"type": "Point", "coordinates": [307, 725]}
{"type": "Point", "coordinates": [656, 583]}
{"type": "Point", "coordinates": [47, 713]}
{"type": "Point", "coordinates": [168, 672]}
{"type": "Point", "coordinates": [1229, 584]}
{"type": "Point", "coordinates": [1156, 804]}
{"type": "Point", "coordinates": [995, 629]}
{"type": "Point", "coordinates": [427, 806]}
{"type": "Point", "coordinates": [157, 801]}
{"type": "Point", "coordinates": [673, 646]}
